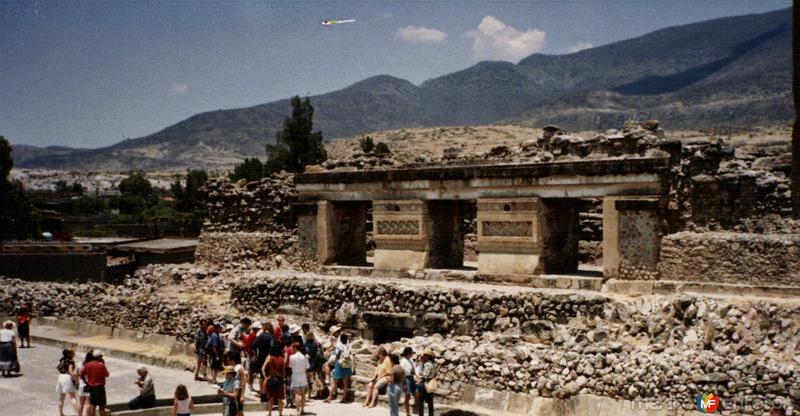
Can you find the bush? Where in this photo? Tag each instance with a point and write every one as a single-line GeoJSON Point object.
{"type": "Point", "coordinates": [382, 149]}
{"type": "Point", "coordinates": [251, 169]}
{"type": "Point", "coordinates": [367, 144]}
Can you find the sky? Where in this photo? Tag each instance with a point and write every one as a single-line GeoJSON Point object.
{"type": "Point", "coordinates": [92, 73]}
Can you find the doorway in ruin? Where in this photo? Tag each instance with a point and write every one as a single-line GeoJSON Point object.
{"type": "Point", "coordinates": [350, 232]}
{"type": "Point", "coordinates": [573, 236]}
{"type": "Point", "coordinates": [386, 327]}
{"type": "Point", "coordinates": [448, 225]}
{"type": "Point", "coordinates": [590, 236]}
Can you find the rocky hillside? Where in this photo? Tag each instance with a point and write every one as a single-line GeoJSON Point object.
{"type": "Point", "coordinates": [725, 71]}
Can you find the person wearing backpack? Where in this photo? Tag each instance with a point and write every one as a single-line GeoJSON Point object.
{"type": "Point", "coordinates": [67, 384]}
{"type": "Point", "coordinates": [343, 365]}
{"type": "Point", "coordinates": [273, 374]}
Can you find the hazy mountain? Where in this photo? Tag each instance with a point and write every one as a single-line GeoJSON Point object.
{"type": "Point", "coordinates": [717, 72]}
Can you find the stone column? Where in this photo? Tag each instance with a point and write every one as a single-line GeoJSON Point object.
{"type": "Point", "coordinates": [631, 241]}
{"type": "Point", "coordinates": [510, 236]}
{"type": "Point", "coordinates": [401, 233]}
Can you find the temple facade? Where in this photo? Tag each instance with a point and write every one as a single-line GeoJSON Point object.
{"type": "Point", "coordinates": [526, 216]}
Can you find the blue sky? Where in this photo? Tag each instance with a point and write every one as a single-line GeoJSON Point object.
{"type": "Point", "coordinates": [89, 74]}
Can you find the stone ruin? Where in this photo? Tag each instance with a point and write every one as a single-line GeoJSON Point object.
{"type": "Point", "coordinates": [698, 289]}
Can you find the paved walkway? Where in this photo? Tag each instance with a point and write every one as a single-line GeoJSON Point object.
{"type": "Point", "coordinates": [33, 392]}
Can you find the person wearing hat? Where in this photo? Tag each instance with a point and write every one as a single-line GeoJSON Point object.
{"type": "Point", "coordinates": [147, 391]}
{"type": "Point", "coordinates": [425, 372]}
{"type": "Point", "coordinates": [95, 373]}
{"type": "Point", "coordinates": [335, 332]}
{"type": "Point", "coordinates": [8, 349]}
{"type": "Point", "coordinates": [230, 391]}
{"type": "Point", "coordinates": [343, 364]}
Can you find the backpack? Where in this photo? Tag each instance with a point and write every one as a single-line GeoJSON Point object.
{"type": "Point", "coordinates": [63, 366]}
{"type": "Point", "coordinates": [274, 382]}
{"type": "Point", "coordinates": [345, 359]}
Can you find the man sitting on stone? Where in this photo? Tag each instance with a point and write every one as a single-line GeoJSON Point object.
{"type": "Point", "coordinates": [147, 392]}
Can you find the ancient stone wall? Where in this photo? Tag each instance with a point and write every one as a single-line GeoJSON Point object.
{"type": "Point", "coordinates": [134, 305]}
{"type": "Point", "coordinates": [540, 343]}
{"type": "Point", "coordinates": [250, 225]}
{"type": "Point", "coordinates": [726, 257]}
{"type": "Point", "coordinates": [559, 344]}
{"type": "Point", "coordinates": [251, 250]}
{"type": "Point", "coordinates": [262, 206]}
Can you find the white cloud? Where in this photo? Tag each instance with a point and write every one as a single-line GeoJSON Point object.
{"type": "Point", "coordinates": [177, 88]}
{"type": "Point", "coordinates": [495, 40]}
{"type": "Point", "coordinates": [387, 15]}
{"type": "Point", "coordinates": [419, 34]}
{"type": "Point", "coordinates": [581, 45]}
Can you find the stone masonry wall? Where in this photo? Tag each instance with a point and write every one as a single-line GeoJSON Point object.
{"type": "Point", "coordinates": [557, 344]}
{"type": "Point", "coordinates": [724, 257]}
{"type": "Point", "coordinates": [253, 250]}
{"type": "Point", "coordinates": [262, 205]}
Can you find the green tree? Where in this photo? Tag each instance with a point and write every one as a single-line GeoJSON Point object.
{"type": "Point", "coordinates": [367, 144]}
{"type": "Point", "coordinates": [137, 185]}
{"type": "Point", "coordinates": [251, 169]}
{"type": "Point", "coordinates": [188, 199]}
{"type": "Point", "coordinates": [18, 217]}
{"type": "Point", "coordinates": [382, 149]}
{"type": "Point", "coordinates": [88, 205]}
{"type": "Point", "coordinates": [297, 145]}
{"type": "Point", "coordinates": [6, 159]}
{"type": "Point", "coordinates": [137, 196]}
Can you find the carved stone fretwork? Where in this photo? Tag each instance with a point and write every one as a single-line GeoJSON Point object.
{"type": "Point", "coordinates": [401, 234]}
{"type": "Point", "coordinates": [398, 227]}
{"type": "Point", "coordinates": [507, 228]}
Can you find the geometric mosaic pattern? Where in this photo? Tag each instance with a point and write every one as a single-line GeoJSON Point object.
{"type": "Point", "coordinates": [507, 228]}
{"type": "Point", "coordinates": [401, 227]}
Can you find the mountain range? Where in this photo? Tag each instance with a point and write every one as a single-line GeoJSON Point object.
{"type": "Point", "coordinates": [721, 72]}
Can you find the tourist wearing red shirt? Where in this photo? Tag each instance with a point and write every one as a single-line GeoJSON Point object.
{"type": "Point", "coordinates": [24, 325]}
{"type": "Point", "coordinates": [94, 374]}
{"type": "Point", "coordinates": [279, 328]}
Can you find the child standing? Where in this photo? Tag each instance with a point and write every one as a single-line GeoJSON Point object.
{"type": "Point", "coordinates": [183, 402]}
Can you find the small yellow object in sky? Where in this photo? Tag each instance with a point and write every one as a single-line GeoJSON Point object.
{"type": "Point", "coordinates": [336, 22]}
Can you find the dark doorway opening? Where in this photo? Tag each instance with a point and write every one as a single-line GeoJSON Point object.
{"type": "Point", "coordinates": [350, 232]}
{"type": "Point", "coordinates": [448, 229]}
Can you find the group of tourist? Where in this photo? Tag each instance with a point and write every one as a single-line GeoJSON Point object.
{"type": "Point", "coordinates": [283, 365]}
{"type": "Point", "coordinates": [286, 365]}
{"type": "Point", "coordinates": [84, 383]}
